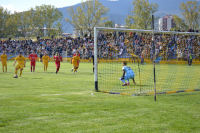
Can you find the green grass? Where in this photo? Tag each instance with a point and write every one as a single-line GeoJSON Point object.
{"type": "Point", "coordinates": [169, 77]}
{"type": "Point", "coordinates": [49, 102]}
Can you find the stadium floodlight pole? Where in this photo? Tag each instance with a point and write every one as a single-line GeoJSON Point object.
{"type": "Point", "coordinates": [95, 59]}
{"type": "Point", "coordinates": [154, 58]}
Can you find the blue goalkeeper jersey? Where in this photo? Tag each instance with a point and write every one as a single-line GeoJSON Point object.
{"type": "Point", "coordinates": [128, 70]}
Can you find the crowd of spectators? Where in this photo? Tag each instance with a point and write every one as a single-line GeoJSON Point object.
{"type": "Point", "coordinates": [111, 45]}
{"type": "Point", "coordinates": [140, 44]}
{"type": "Point", "coordinates": [51, 46]}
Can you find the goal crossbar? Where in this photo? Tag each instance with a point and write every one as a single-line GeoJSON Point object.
{"type": "Point", "coordinates": [147, 31]}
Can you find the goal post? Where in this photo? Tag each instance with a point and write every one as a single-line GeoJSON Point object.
{"type": "Point", "coordinates": [64, 55]}
{"type": "Point", "coordinates": [154, 58]}
{"type": "Point", "coordinates": [112, 46]}
{"type": "Point", "coordinates": [95, 59]}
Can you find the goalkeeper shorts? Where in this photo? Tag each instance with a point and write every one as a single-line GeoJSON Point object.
{"type": "Point", "coordinates": [129, 76]}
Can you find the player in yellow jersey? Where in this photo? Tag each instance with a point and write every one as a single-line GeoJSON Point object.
{"type": "Point", "coordinates": [45, 60]}
{"type": "Point", "coordinates": [74, 61]}
{"type": "Point", "coordinates": [4, 60]}
{"type": "Point", "coordinates": [21, 64]}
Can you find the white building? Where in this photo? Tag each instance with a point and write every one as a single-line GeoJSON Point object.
{"type": "Point", "coordinates": [77, 33]}
{"type": "Point", "coordinates": [66, 34]}
{"type": "Point", "coordinates": [160, 24]}
{"type": "Point", "coordinates": [120, 26]}
{"type": "Point", "coordinates": [166, 23]}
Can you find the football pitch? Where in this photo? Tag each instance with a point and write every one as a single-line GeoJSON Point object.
{"type": "Point", "coordinates": [63, 102]}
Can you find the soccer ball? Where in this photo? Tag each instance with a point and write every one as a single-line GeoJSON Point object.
{"type": "Point", "coordinates": [15, 76]}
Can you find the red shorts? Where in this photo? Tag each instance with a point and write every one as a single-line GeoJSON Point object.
{"type": "Point", "coordinates": [32, 63]}
{"type": "Point", "coordinates": [58, 65]}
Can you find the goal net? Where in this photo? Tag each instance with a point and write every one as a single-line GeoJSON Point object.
{"type": "Point", "coordinates": [64, 55]}
{"type": "Point", "coordinates": [176, 56]}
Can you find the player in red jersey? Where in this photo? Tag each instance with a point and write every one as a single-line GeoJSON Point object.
{"type": "Point", "coordinates": [57, 58]}
{"type": "Point", "coordinates": [33, 57]}
{"type": "Point", "coordinates": [77, 61]}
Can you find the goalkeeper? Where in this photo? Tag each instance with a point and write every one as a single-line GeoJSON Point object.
{"type": "Point", "coordinates": [127, 74]}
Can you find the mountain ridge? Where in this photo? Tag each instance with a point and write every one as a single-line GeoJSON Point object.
{"type": "Point", "coordinates": [121, 8]}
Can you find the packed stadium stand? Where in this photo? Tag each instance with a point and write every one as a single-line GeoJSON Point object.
{"type": "Point", "coordinates": [111, 45]}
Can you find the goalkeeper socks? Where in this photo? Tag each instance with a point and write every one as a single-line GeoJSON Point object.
{"type": "Point", "coordinates": [31, 69]}
{"type": "Point", "coordinates": [20, 73]}
{"type": "Point", "coordinates": [127, 80]}
{"type": "Point", "coordinates": [123, 81]}
{"type": "Point", "coordinates": [15, 72]}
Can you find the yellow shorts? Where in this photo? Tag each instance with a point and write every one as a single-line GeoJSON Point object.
{"type": "Point", "coordinates": [20, 66]}
{"type": "Point", "coordinates": [4, 64]}
{"type": "Point", "coordinates": [46, 64]}
{"type": "Point", "coordinates": [75, 64]}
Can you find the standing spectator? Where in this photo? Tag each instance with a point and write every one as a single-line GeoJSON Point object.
{"type": "Point", "coordinates": [38, 37]}
{"type": "Point", "coordinates": [168, 54]}
{"type": "Point", "coordinates": [9, 39]}
{"type": "Point", "coordinates": [74, 51]}
{"type": "Point", "coordinates": [41, 55]}
{"type": "Point", "coordinates": [142, 58]}
{"type": "Point", "coordinates": [151, 55]}
{"type": "Point", "coordinates": [52, 36]}
{"type": "Point", "coordinates": [190, 59]}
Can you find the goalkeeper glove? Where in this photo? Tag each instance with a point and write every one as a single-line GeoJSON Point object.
{"type": "Point", "coordinates": [121, 78]}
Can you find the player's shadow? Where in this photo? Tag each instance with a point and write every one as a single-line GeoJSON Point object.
{"type": "Point", "coordinates": [90, 73]}
{"type": "Point", "coordinates": [7, 72]}
{"type": "Point", "coordinates": [139, 85]}
{"type": "Point", "coordinates": [43, 72]}
{"type": "Point", "coordinates": [52, 72]}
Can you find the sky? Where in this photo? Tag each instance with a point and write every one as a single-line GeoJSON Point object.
{"type": "Point", "coordinates": [24, 5]}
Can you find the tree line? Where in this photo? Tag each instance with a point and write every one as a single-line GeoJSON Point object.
{"type": "Point", "coordinates": [30, 23]}
{"type": "Point", "coordinates": [88, 15]}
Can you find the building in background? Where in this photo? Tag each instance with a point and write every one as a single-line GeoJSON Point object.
{"type": "Point", "coordinates": [79, 33]}
{"type": "Point", "coordinates": [120, 26]}
{"type": "Point", "coordinates": [166, 23]}
{"type": "Point", "coordinates": [66, 34]}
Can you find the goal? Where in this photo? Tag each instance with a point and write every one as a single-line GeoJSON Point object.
{"type": "Point", "coordinates": [163, 61]}
{"type": "Point", "coordinates": [64, 55]}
